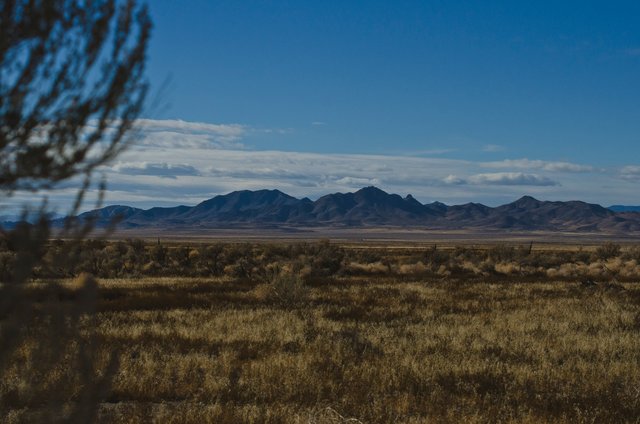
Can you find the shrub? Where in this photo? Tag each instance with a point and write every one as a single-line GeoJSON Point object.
{"type": "Point", "coordinates": [633, 253]}
{"type": "Point", "coordinates": [283, 288]}
{"type": "Point", "coordinates": [507, 268]}
{"type": "Point", "coordinates": [356, 268]}
{"type": "Point", "coordinates": [435, 258]}
{"type": "Point", "coordinates": [607, 251]}
{"type": "Point", "coordinates": [503, 253]}
{"type": "Point", "coordinates": [325, 259]}
{"type": "Point", "coordinates": [412, 269]}
{"type": "Point", "coordinates": [158, 253]}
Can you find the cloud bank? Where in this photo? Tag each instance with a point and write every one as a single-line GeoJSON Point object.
{"type": "Point", "coordinates": [163, 169]}
{"type": "Point", "coordinates": [512, 179]}
{"type": "Point", "coordinates": [539, 164]}
{"type": "Point", "coordinates": [178, 162]}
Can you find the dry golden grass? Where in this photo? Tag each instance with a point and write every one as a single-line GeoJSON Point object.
{"type": "Point", "coordinates": [372, 349]}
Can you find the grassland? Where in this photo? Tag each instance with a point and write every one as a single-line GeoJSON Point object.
{"type": "Point", "coordinates": [408, 346]}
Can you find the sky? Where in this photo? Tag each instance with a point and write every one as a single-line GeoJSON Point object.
{"type": "Point", "coordinates": [461, 101]}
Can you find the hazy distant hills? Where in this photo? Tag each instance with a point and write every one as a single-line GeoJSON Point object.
{"type": "Point", "coordinates": [623, 208]}
{"type": "Point", "coordinates": [372, 207]}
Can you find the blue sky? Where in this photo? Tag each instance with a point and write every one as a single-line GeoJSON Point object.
{"type": "Point", "coordinates": [554, 80]}
{"type": "Point", "coordinates": [454, 101]}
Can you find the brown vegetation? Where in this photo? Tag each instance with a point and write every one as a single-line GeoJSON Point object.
{"type": "Point", "coordinates": [257, 261]}
{"type": "Point", "coordinates": [316, 333]}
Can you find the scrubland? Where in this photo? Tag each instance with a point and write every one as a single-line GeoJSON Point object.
{"type": "Point", "coordinates": [318, 333]}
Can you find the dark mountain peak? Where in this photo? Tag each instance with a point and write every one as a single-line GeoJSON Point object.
{"type": "Point", "coordinates": [437, 207]}
{"type": "Point", "coordinates": [475, 205]}
{"type": "Point", "coordinates": [247, 198]}
{"type": "Point", "coordinates": [369, 206]}
{"type": "Point", "coordinates": [274, 192]}
{"type": "Point", "coordinates": [526, 202]}
{"type": "Point", "coordinates": [371, 192]}
{"type": "Point", "coordinates": [591, 208]}
{"type": "Point", "coordinates": [246, 206]}
{"type": "Point", "coordinates": [468, 212]}
{"type": "Point", "coordinates": [373, 196]}
{"type": "Point", "coordinates": [410, 200]}
{"type": "Point", "coordinates": [113, 211]}
{"type": "Point", "coordinates": [258, 194]}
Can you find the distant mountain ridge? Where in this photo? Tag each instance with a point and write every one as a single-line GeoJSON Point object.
{"type": "Point", "coordinates": [370, 207]}
{"type": "Point", "coordinates": [624, 208]}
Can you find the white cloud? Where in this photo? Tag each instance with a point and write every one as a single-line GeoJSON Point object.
{"type": "Point", "coordinates": [538, 164]}
{"type": "Point", "coordinates": [453, 179]}
{"type": "Point", "coordinates": [163, 169]}
{"type": "Point", "coordinates": [264, 173]}
{"type": "Point", "coordinates": [631, 172]}
{"type": "Point", "coordinates": [179, 162]}
{"type": "Point", "coordinates": [430, 152]}
{"type": "Point", "coordinates": [280, 131]}
{"type": "Point", "coordinates": [492, 148]}
{"type": "Point", "coordinates": [314, 174]}
{"type": "Point", "coordinates": [510, 179]}
{"type": "Point", "coordinates": [223, 132]}
{"type": "Point", "coordinates": [500, 179]}
{"type": "Point", "coordinates": [357, 182]}
{"type": "Point", "coordinates": [175, 133]}
{"type": "Point", "coordinates": [427, 178]}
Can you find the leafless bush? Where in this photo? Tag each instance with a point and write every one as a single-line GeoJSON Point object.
{"type": "Point", "coordinates": [72, 84]}
{"type": "Point", "coordinates": [607, 251]}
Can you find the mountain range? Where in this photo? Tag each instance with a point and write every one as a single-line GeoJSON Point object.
{"type": "Point", "coordinates": [371, 207]}
{"type": "Point", "coordinates": [623, 208]}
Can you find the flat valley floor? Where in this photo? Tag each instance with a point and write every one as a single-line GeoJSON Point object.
{"type": "Point", "coordinates": [383, 236]}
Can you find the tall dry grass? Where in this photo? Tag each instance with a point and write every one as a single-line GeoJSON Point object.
{"type": "Point", "coordinates": [369, 348]}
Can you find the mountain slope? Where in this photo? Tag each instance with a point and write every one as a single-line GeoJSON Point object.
{"type": "Point", "coordinates": [369, 206]}
{"type": "Point", "coordinates": [529, 213]}
{"type": "Point", "coordinates": [372, 207]}
{"type": "Point", "coordinates": [246, 206]}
